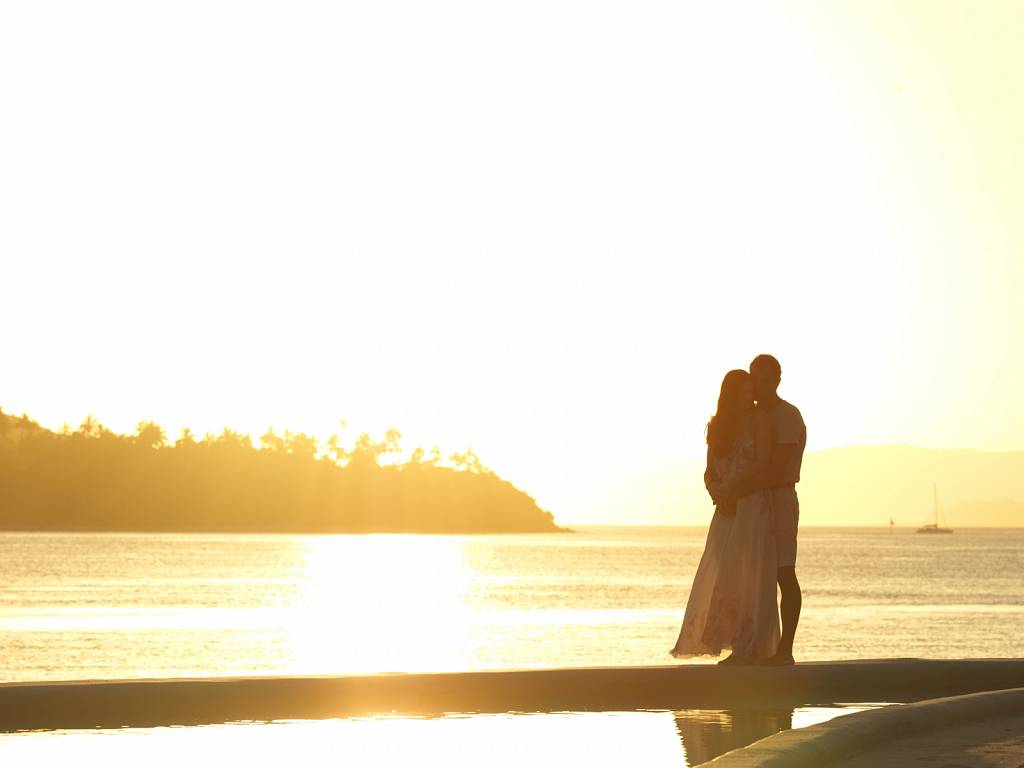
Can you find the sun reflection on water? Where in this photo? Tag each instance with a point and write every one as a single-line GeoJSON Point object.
{"type": "Point", "coordinates": [378, 603]}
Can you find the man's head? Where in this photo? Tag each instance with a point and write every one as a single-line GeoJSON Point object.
{"type": "Point", "coordinates": [766, 373]}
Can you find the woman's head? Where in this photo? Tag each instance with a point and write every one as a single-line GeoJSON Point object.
{"type": "Point", "coordinates": [735, 398]}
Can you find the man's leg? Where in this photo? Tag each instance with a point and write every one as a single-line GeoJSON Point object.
{"type": "Point", "coordinates": [786, 508]}
{"type": "Point", "coordinates": [789, 608]}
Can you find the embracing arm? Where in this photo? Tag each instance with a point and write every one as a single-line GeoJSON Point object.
{"type": "Point", "coordinates": [751, 479]}
{"type": "Point", "coordinates": [772, 473]}
{"type": "Point", "coordinates": [725, 494]}
{"type": "Point", "coordinates": [762, 456]}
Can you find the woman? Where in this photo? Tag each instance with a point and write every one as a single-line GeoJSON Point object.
{"type": "Point", "coordinates": [732, 600]}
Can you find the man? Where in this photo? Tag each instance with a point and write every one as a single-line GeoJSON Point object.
{"type": "Point", "coordinates": [789, 438]}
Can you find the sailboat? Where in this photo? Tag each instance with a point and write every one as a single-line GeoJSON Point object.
{"type": "Point", "coordinates": [934, 527]}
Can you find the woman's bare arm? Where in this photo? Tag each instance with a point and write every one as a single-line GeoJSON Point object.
{"type": "Point", "coordinates": [711, 482]}
{"type": "Point", "coordinates": [724, 504]}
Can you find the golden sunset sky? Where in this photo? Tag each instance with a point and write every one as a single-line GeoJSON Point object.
{"type": "Point", "coordinates": [543, 230]}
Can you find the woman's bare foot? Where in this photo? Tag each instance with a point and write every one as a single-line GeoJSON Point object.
{"type": "Point", "coordinates": [732, 660]}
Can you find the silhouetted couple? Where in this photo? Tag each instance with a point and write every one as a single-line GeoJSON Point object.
{"type": "Point", "coordinates": [755, 443]}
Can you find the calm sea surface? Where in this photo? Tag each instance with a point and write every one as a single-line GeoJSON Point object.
{"type": "Point", "coordinates": [117, 606]}
{"type": "Point", "coordinates": [78, 606]}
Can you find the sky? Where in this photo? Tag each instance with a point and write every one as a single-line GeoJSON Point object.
{"type": "Point", "coordinates": [542, 230]}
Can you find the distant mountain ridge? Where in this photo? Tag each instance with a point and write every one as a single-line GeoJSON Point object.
{"type": "Point", "coordinates": [868, 485]}
{"type": "Point", "coordinates": [853, 485]}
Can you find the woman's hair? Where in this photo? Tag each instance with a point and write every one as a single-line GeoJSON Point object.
{"type": "Point", "coordinates": [728, 419]}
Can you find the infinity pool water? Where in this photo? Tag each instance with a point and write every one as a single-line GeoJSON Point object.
{"type": "Point", "coordinates": [651, 738]}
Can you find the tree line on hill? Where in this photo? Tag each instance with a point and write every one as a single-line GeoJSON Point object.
{"type": "Point", "coordinates": [92, 479]}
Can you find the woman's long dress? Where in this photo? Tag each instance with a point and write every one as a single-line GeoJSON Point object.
{"type": "Point", "coordinates": [732, 603]}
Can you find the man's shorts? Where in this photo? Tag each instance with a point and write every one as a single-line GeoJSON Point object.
{"type": "Point", "coordinates": [786, 510]}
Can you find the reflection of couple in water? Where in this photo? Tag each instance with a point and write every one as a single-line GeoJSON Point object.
{"type": "Point", "coordinates": [707, 733]}
{"type": "Point", "coordinates": [755, 446]}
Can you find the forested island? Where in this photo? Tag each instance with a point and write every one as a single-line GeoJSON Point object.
{"type": "Point", "coordinates": [92, 479]}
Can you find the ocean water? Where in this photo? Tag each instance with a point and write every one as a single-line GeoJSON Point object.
{"type": "Point", "coordinates": [92, 606]}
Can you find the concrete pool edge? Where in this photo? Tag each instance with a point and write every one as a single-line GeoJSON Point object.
{"type": "Point", "coordinates": [146, 703]}
{"type": "Point", "coordinates": [847, 736]}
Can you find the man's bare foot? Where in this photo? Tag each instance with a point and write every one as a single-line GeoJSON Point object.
{"type": "Point", "coordinates": [780, 659]}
